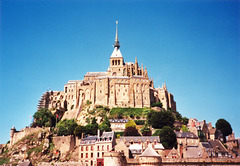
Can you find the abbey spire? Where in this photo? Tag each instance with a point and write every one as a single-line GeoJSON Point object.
{"type": "Point", "coordinates": [116, 38]}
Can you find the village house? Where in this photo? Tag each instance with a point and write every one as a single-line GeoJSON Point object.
{"type": "Point", "coordinates": [137, 144]}
{"type": "Point", "coordinates": [92, 148]}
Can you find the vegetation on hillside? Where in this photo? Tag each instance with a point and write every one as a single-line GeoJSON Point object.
{"type": "Point", "coordinates": [120, 113]}
{"type": "Point", "coordinates": [44, 118]}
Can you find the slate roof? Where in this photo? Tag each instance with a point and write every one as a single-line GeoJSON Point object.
{"type": "Point", "coordinates": [142, 138]}
{"type": "Point", "coordinates": [149, 152]}
{"type": "Point", "coordinates": [217, 146]}
{"type": "Point", "coordinates": [108, 134]}
{"type": "Point", "coordinates": [193, 152]}
{"type": "Point", "coordinates": [118, 120]}
{"type": "Point", "coordinates": [185, 135]}
{"type": "Point", "coordinates": [206, 145]}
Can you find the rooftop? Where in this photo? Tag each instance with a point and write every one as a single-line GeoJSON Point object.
{"type": "Point", "coordinates": [140, 138]}
{"type": "Point", "coordinates": [149, 152]}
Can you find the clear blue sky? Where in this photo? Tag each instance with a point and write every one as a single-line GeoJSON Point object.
{"type": "Point", "coordinates": [193, 46]}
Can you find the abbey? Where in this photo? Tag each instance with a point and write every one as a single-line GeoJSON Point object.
{"type": "Point", "coordinates": [124, 84]}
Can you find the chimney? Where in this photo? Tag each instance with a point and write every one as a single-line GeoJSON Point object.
{"type": "Point", "coordinates": [98, 133]}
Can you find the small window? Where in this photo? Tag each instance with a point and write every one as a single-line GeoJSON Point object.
{"type": "Point", "coordinates": [91, 155]}
{"type": "Point", "coordinates": [81, 155]}
{"type": "Point", "coordinates": [86, 155]}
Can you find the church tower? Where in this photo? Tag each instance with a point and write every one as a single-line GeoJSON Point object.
{"type": "Point", "coordinates": [116, 59]}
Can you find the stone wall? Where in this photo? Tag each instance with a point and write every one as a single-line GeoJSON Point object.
{"type": "Point", "coordinates": [18, 135]}
{"type": "Point", "coordinates": [64, 144]}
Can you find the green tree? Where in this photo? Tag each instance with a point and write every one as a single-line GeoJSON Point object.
{"type": "Point", "coordinates": [157, 132]}
{"type": "Point", "coordinates": [79, 130]}
{"type": "Point", "coordinates": [224, 127]}
{"type": "Point", "coordinates": [160, 119]}
{"type": "Point", "coordinates": [146, 131]}
{"type": "Point", "coordinates": [66, 127]}
{"type": "Point", "coordinates": [44, 117]}
{"type": "Point", "coordinates": [105, 125]}
{"type": "Point", "coordinates": [184, 128]}
{"type": "Point", "coordinates": [185, 120]}
{"type": "Point", "coordinates": [92, 127]}
{"type": "Point", "coordinates": [130, 123]}
{"type": "Point", "coordinates": [131, 131]}
{"type": "Point", "coordinates": [168, 137]}
{"type": "Point", "coordinates": [157, 104]}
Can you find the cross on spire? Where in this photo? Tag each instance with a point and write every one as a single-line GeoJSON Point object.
{"type": "Point", "coordinates": [116, 39]}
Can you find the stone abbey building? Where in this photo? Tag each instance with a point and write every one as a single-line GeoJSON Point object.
{"type": "Point", "coordinates": [124, 84]}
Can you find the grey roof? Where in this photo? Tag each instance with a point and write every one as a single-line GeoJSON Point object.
{"type": "Point", "coordinates": [217, 146]}
{"type": "Point", "coordinates": [108, 134]}
{"type": "Point", "coordinates": [90, 138]}
{"type": "Point", "coordinates": [149, 152]}
{"type": "Point", "coordinates": [142, 138]}
{"type": "Point", "coordinates": [206, 145]}
{"type": "Point", "coordinates": [118, 120]}
{"type": "Point", "coordinates": [193, 152]}
{"type": "Point", "coordinates": [185, 135]}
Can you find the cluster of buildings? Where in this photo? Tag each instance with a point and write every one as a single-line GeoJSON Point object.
{"type": "Point", "coordinates": [148, 150]}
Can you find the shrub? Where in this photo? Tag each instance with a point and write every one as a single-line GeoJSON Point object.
{"type": "Point", "coordinates": [157, 104]}
{"type": "Point", "coordinates": [139, 122]}
{"type": "Point", "coordinates": [118, 133]}
{"type": "Point", "coordinates": [88, 102]}
{"type": "Point", "coordinates": [79, 130]}
{"type": "Point", "coordinates": [44, 117]}
{"type": "Point", "coordinates": [131, 131]}
{"type": "Point", "coordinates": [130, 123]}
{"type": "Point", "coordinates": [66, 127]}
{"type": "Point", "coordinates": [157, 132]}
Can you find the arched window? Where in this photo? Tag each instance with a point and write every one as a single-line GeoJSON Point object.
{"type": "Point", "coordinates": [112, 62]}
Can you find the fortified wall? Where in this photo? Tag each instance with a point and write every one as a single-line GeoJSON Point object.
{"type": "Point", "coordinates": [15, 135]}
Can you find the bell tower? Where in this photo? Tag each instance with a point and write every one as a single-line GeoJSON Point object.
{"type": "Point", "coordinates": [116, 59]}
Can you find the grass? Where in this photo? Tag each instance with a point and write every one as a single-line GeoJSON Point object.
{"type": "Point", "coordinates": [4, 160]}
{"type": "Point", "coordinates": [128, 112]}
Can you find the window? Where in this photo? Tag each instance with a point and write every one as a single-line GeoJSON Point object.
{"type": "Point", "coordinates": [102, 147]}
{"type": "Point", "coordinates": [86, 148]}
{"type": "Point", "coordinates": [97, 154]}
{"type": "Point", "coordinates": [86, 155]}
{"type": "Point", "coordinates": [98, 148]}
{"type": "Point", "coordinates": [107, 147]}
{"type": "Point", "coordinates": [82, 148]}
{"type": "Point", "coordinates": [81, 155]}
{"type": "Point", "coordinates": [102, 154]}
{"type": "Point", "coordinates": [91, 148]}
{"type": "Point", "coordinates": [91, 155]}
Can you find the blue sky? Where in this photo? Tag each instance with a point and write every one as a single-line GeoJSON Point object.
{"type": "Point", "coordinates": [193, 46]}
